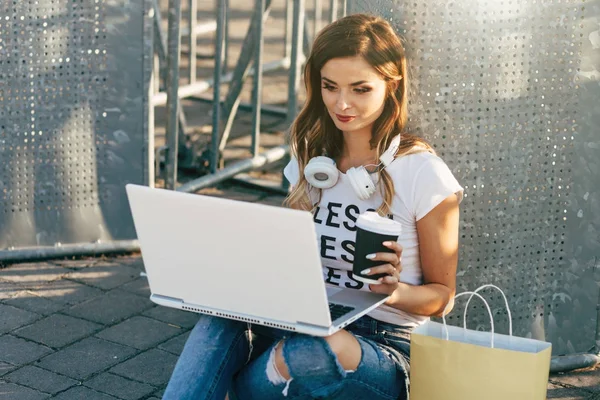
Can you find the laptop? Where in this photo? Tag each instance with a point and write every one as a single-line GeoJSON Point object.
{"type": "Point", "coordinates": [239, 260]}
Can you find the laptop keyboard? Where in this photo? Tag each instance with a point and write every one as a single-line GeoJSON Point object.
{"type": "Point", "coordinates": [338, 310]}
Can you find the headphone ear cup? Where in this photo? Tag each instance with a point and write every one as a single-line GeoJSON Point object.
{"type": "Point", "coordinates": [361, 182]}
{"type": "Point", "coordinates": [321, 172]}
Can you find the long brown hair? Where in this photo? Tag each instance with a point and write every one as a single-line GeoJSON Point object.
{"type": "Point", "coordinates": [313, 131]}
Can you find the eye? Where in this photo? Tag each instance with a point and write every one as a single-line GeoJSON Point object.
{"type": "Point", "coordinates": [362, 90]}
{"type": "Point", "coordinates": [328, 87]}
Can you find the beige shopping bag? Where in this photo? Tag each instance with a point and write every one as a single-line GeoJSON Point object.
{"type": "Point", "coordinates": [454, 363]}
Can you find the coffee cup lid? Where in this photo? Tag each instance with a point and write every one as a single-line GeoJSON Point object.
{"type": "Point", "coordinates": [374, 222]}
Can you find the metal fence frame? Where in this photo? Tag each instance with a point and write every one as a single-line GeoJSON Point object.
{"type": "Point", "coordinates": [224, 112]}
{"type": "Point", "coordinates": [64, 248]}
{"type": "Point", "coordinates": [463, 100]}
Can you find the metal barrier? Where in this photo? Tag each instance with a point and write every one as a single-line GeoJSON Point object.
{"type": "Point", "coordinates": [508, 94]}
{"type": "Point", "coordinates": [224, 112]}
{"type": "Point", "coordinates": [74, 125]}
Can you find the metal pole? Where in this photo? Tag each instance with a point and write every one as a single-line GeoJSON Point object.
{"type": "Point", "coordinates": [344, 8]}
{"type": "Point", "coordinates": [240, 73]}
{"type": "Point", "coordinates": [333, 10]}
{"type": "Point", "coordinates": [294, 81]}
{"type": "Point", "coordinates": [201, 86]}
{"type": "Point", "coordinates": [156, 83]}
{"type": "Point", "coordinates": [295, 64]}
{"type": "Point", "coordinates": [289, 15]}
{"type": "Point", "coordinates": [265, 109]}
{"type": "Point", "coordinates": [192, 21]}
{"type": "Point", "coordinates": [161, 47]}
{"type": "Point", "coordinates": [268, 157]}
{"type": "Point", "coordinates": [318, 17]}
{"type": "Point", "coordinates": [306, 40]}
{"type": "Point", "coordinates": [174, 43]}
{"type": "Point", "coordinates": [68, 250]}
{"type": "Point", "coordinates": [214, 156]}
{"type": "Point", "coordinates": [258, 72]}
{"type": "Point", "coordinates": [226, 37]}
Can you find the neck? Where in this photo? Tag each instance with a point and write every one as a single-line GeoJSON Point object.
{"type": "Point", "coordinates": [357, 150]}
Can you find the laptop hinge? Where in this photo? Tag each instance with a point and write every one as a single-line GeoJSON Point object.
{"type": "Point", "coordinates": [166, 298]}
{"type": "Point", "coordinates": [312, 329]}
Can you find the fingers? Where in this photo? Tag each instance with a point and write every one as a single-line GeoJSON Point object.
{"type": "Point", "coordinates": [394, 246]}
{"type": "Point", "coordinates": [391, 258]}
{"type": "Point", "coordinates": [390, 279]}
{"type": "Point", "coordinates": [382, 269]}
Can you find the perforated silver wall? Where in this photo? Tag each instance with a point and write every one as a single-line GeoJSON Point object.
{"type": "Point", "coordinates": [508, 92]}
{"type": "Point", "coordinates": [73, 118]}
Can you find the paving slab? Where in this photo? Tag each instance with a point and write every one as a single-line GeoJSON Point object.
{"type": "Point", "coordinates": [78, 262]}
{"type": "Point", "coordinates": [138, 286]}
{"type": "Point", "coordinates": [275, 200]}
{"type": "Point", "coordinates": [588, 380]}
{"type": "Point", "coordinates": [567, 393]}
{"type": "Point", "coordinates": [66, 292]}
{"type": "Point", "coordinates": [32, 301]}
{"type": "Point", "coordinates": [32, 273]}
{"type": "Point", "coordinates": [8, 289]}
{"type": "Point", "coordinates": [131, 260]}
{"type": "Point", "coordinates": [5, 368]}
{"type": "Point", "coordinates": [105, 275]}
{"type": "Point", "coordinates": [19, 351]}
{"type": "Point", "coordinates": [13, 318]}
{"type": "Point", "coordinates": [40, 379]}
{"type": "Point", "coordinates": [139, 332]}
{"type": "Point", "coordinates": [153, 367]}
{"type": "Point", "coordinates": [237, 193]}
{"type": "Point", "coordinates": [10, 391]}
{"type": "Point", "coordinates": [175, 345]}
{"type": "Point", "coordinates": [85, 358]}
{"type": "Point", "coordinates": [58, 330]}
{"type": "Point", "coordinates": [83, 393]}
{"type": "Point", "coordinates": [110, 307]}
{"type": "Point", "coordinates": [184, 319]}
{"type": "Point", "coordinates": [120, 387]}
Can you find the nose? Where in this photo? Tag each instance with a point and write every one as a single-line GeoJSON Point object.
{"type": "Point", "coordinates": [342, 103]}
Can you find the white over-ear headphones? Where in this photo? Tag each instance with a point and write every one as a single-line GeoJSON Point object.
{"type": "Point", "coordinates": [322, 173]}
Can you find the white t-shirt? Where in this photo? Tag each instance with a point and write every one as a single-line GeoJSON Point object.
{"type": "Point", "coordinates": [421, 182]}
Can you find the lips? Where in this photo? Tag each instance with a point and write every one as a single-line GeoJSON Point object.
{"type": "Point", "coordinates": [344, 118]}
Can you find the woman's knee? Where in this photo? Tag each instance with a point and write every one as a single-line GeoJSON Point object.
{"type": "Point", "coordinates": [340, 349]}
{"type": "Point", "coordinates": [346, 348]}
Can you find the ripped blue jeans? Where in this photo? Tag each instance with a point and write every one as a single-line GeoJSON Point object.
{"type": "Point", "coordinates": [222, 356]}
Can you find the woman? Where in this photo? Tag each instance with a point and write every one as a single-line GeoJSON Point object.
{"type": "Point", "coordinates": [356, 108]}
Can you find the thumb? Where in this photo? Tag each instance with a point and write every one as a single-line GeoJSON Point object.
{"type": "Point", "coordinates": [375, 288]}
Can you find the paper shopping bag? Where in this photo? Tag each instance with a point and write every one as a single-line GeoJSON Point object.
{"type": "Point", "coordinates": [454, 363]}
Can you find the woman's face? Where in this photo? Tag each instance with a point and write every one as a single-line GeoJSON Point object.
{"type": "Point", "coordinates": [353, 92]}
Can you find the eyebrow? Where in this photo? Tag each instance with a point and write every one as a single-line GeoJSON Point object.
{"type": "Point", "coordinates": [352, 84]}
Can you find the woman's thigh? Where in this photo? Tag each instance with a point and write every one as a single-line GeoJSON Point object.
{"type": "Point", "coordinates": [215, 350]}
{"type": "Point", "coordinates": [316, 373]}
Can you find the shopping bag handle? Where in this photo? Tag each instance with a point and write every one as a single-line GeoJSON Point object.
{"type": "Point", "coordinates": [510, 330]}
{"type": "Point", "coordinates": [486, 306]}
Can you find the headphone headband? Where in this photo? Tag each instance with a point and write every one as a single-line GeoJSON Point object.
{"type": "Point", "coordinates": [388, 156]}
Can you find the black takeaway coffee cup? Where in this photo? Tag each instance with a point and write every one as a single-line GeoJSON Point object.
{"type": "Point", "coordinates": [372, 230]}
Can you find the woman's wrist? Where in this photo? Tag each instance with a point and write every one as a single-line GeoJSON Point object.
{"type": "Point", "coordinates": [428, 299]}
{"type": "Point", "coordinates": [401, 291]}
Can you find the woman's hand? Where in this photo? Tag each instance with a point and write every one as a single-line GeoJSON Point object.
{"type": "Point", "coordinates": [393, 267]}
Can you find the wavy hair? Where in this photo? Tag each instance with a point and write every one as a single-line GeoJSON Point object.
{"type": "Point", "coordinates": [313, 131]}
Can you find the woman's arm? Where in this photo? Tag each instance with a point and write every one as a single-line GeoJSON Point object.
{"type": "Point", "coordinates": [438, 250]}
